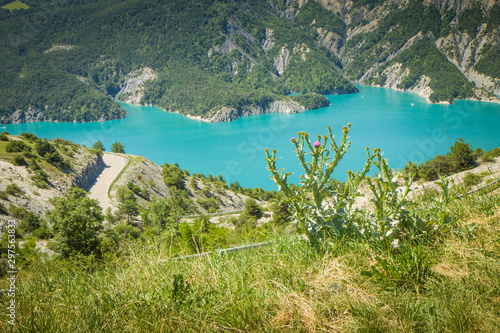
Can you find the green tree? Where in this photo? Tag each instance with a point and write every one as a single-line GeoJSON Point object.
{"type": "Point", "coordinates": [99, 146]}
{"type": "Point", "coordinates": [128, 206]}
{"type": "Point", "coordinates": [252, 208]}
{"type": "Point", "coordinates": [462, 156]}
{"type": "Point", "coordinates": [77, 220]}
{"type": "Point", "coordinates": [118, 148]}
{"type": "Point", "coordinates": [44, 147]}
{"type": "Point", "coordinates": [162, 214]}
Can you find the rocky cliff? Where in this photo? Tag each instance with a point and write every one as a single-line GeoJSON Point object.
{"type": "Point", "coordinates": [132, 89]}
{"type": "Point", "coordinates": [36, 197]}
{"type": "Point", "coordinates": [29, 115]}
{"type": "Point", "coordinates": [88, 172]}
{"type": "Point", "coordinates": [230, 114]}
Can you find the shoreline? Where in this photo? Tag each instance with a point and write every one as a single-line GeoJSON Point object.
{"type": "Point", "coordinates": [205, 120]}
{"type": "Point", "coordinates": [497, 101]}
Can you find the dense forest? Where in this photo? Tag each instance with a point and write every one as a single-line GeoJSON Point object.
{"type": "Point", "coordinates": [67, 60]}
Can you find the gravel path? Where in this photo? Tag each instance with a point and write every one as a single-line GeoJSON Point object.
{"type": "Point", "coordinates": [114, 164]}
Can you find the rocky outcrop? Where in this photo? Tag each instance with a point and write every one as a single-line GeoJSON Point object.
{"type": "Point", "coordinates": [230, 114]}
{"type": "Point", "coordinates": [269, 41]}
{"type": "Point", "coordinates": [331, 40]}
{"type": "Point", "coordinates": [282, 60]}
{"type": "Point", "coordinates": [459, 5]}
{"type": "Point", "coordinates": [409, 43]}
{"type": "Point", "coordinates": [396, 73]}
{"type": "Point", "coordinates": [58, 47]}
{"type": "Point", "coordinates": [230, 45]}
{"type": "Point", "coordinates": [85, 168]}
{"type": "Point", "coordinates": [147, 175]}
{"type": "Point", "coordinates": [422, 87]}
{"type": "Point", "coordinates": [132, 89]}
{"type": "Point", "coordinates": [30, 115]}
{"type": "Point", "coordinates": [464, 52]}
{"type": "Point", "coordinates": [86, 177]}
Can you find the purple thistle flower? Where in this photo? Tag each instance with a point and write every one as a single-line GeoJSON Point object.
{"type": "Point", "coordinates": [316, 144]}
{"type": "Point", "coordinates": [293, 138]}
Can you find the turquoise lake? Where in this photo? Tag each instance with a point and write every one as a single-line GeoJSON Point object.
{"type": "Point", "coordinates": [403, 125]}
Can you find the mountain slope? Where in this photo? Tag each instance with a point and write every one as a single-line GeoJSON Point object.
{"type": "Point", "coordinates": [219, 60]}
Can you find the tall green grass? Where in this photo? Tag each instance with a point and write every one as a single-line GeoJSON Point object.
{"type": "Point", "coordinates": [288, 286]}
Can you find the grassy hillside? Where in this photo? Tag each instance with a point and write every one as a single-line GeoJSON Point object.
{"type": "Point", "coordinates": [447, 282]}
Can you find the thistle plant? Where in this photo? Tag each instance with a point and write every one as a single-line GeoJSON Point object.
{"type": "Point", "coordinates": [391, 215]}
{"type": "Point", "coordinates": [316, 215]}
{"type": "Point", "coordinates": [440, 206]}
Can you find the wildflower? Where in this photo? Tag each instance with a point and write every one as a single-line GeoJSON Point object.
{"type": "Point", "coordinates": [292, 139]}
{"type": "Point", "coordinates": [316, 144]}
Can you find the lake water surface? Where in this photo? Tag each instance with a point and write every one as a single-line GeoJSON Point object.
{"type": "Point", "coordinates": [403, 125]}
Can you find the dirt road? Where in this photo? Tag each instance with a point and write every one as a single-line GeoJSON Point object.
{"type": "Point", "coordinates": [99, 191]}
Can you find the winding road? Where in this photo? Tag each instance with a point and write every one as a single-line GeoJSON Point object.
{"type": "Point", "coordinates": [114, 164]}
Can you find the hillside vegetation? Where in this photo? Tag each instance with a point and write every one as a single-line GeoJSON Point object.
{"type": "Point", "coordinates": [64, 60]}
{"type": "Point", "coordinates": [423, 262]}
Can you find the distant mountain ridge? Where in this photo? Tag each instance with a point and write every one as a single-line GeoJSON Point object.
{"type": "Point", "coordinates": [219, 60]}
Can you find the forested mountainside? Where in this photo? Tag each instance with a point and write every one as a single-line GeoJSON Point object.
{"type": "Point", "coordinates": [66, 61]}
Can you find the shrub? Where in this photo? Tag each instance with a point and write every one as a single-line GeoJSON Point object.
{"type": "Point", "coordinates": [29, 136]}
{"type": "Point", "coordinates": [13, 189]}
{"type": "Point", "coordinates": [3, 137]}
{"type": "Point", "coordinates": [18, 160]}
{"type": "Point", "coordinates": [173, 176]}
{"type": "Point", "coordinates": [98, 147]}
{"type": "Point", "coordinates": [41, 179]}
{"type": "Point", "coordinates": [128, 231]}
{"type": "Point", "coordinates": [16, 146]}
{"type": "Point", "coordinates": [460, 158]}
{"type": "Point", "coordinates": [142, 192]}
{"type": "Point", "coordinates": [44, 147]}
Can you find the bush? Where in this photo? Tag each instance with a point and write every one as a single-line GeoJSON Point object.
{"type": "Point", "coordinates": [490, 155]}
{"type": "Point", "coordinates": [142, 192]}
{"type": "Point", "coordinates": [460, 158]}
{"type": "Point", "coordinates": [13, 189]}
{"type": "Point", "coordinates": [41, 179]}
{"type": "Point", "coordinates": [98, 146]}
{"type": "Point", "coordinates": [128, 231]}
{"type": "Point", "coordinates": [43, 232]}
{"type": "Point", "coordinates": [44, 147]}
{"type": "Point", "coordinates": [29, 136]}
{"type": "Point", "coordinates": [16, 146]}
{"type": "Point", "coordinates": [77, 219]}
{"type": "Point", "coordinates": [18, 160]}
{"type": "Point", "coordinates": [3, 137]}
{"type": "Point", "coordinates": [173, 176]}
